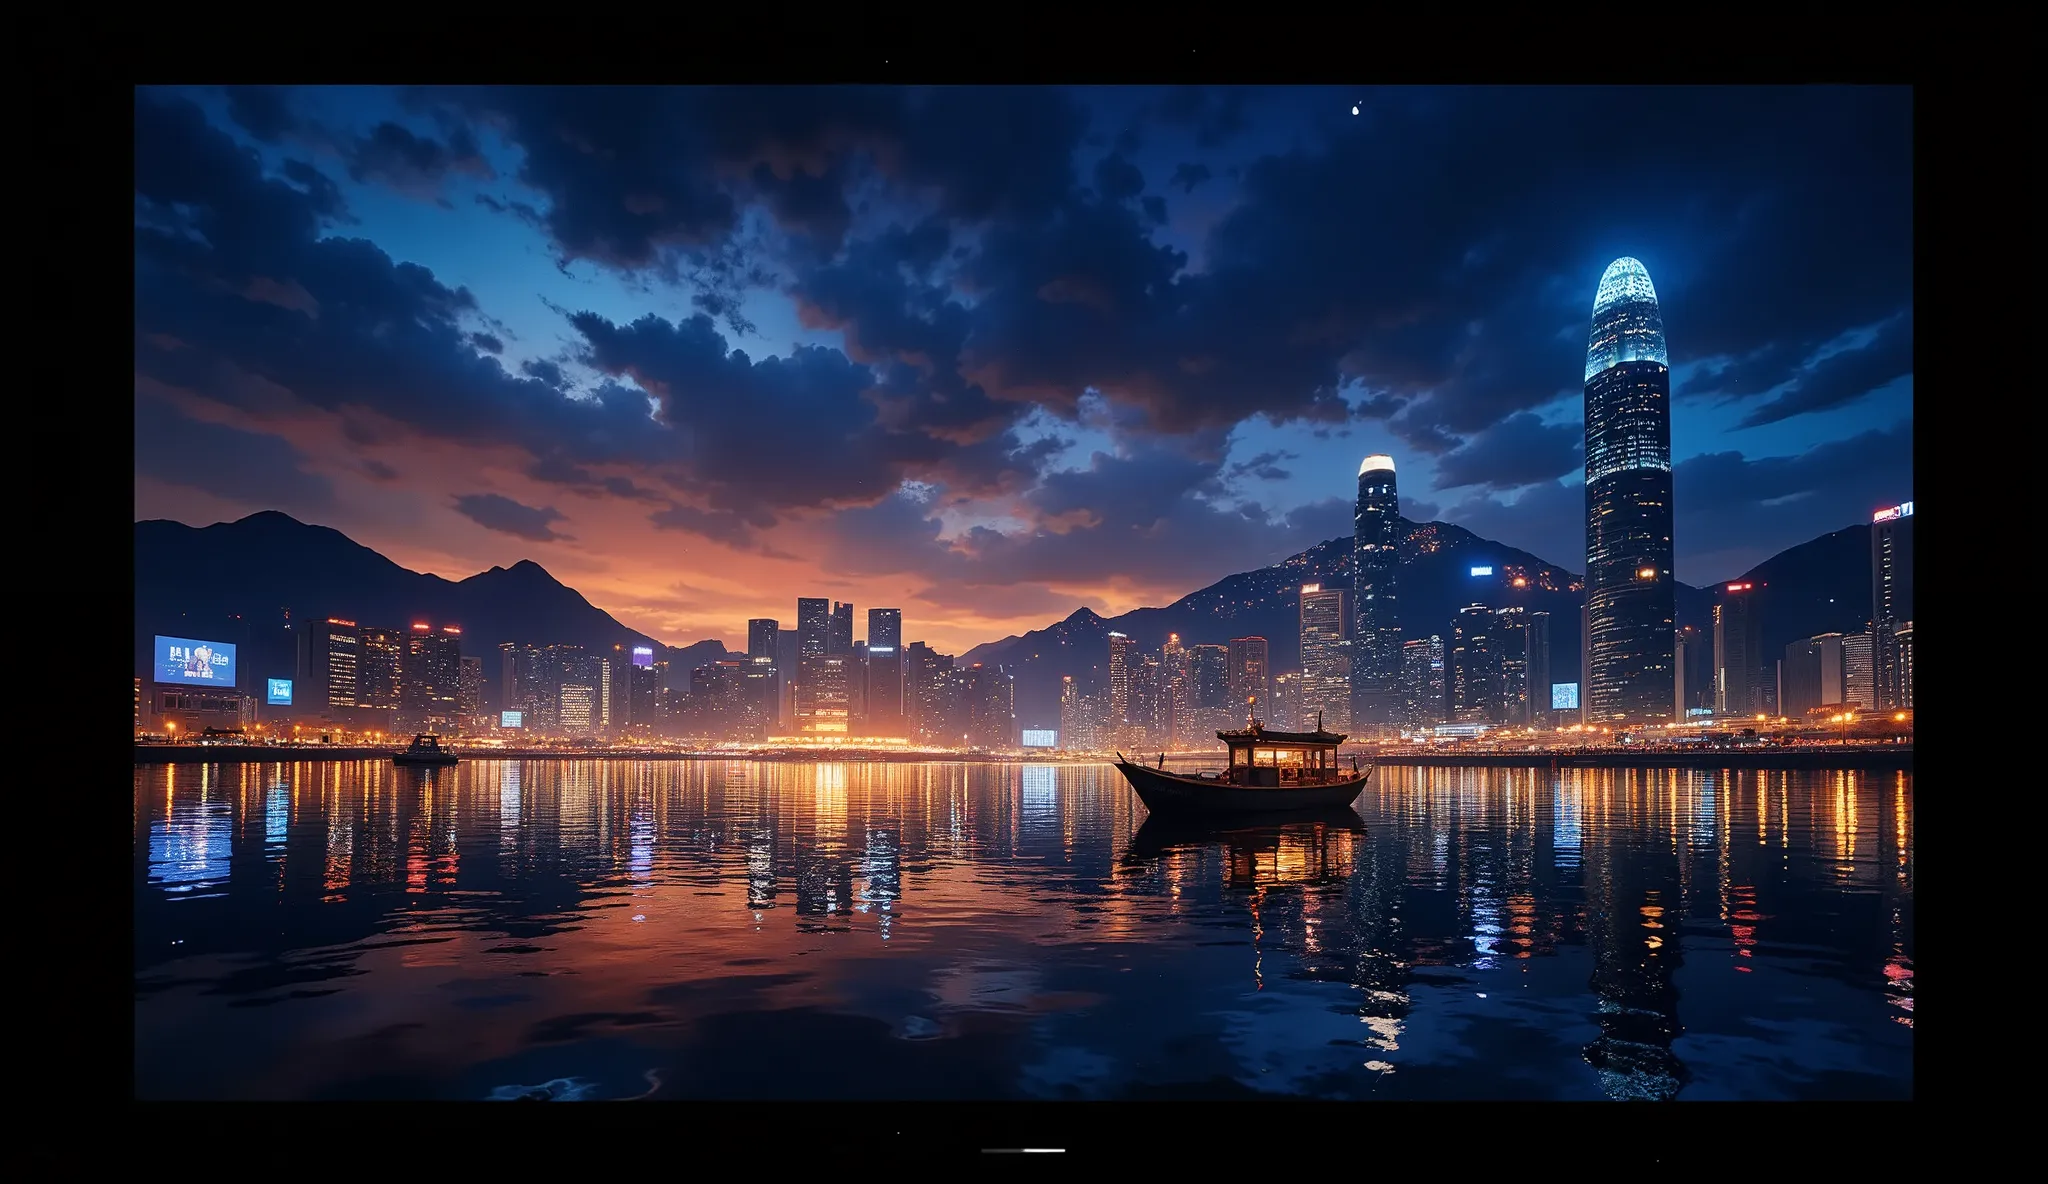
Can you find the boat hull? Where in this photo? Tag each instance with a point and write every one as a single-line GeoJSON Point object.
{"type": "Point", "coordinates": [1165, 793]}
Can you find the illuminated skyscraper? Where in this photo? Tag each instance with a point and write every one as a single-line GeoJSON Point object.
{"type": "Point", "coordinates": [840, 639]}
{"type": "Point", "coordinates": [813, 615]}
{"type": "Point", "coordinates": [1376, 617]}
{"type": "Point", "coordinates": [885, 672]}
{"type": "Point", "coordinates": [431, 673]}
{"type": "Point", "coordinates": [1250, 677]}
{"type": "Point", "coordinates": [1738, 652]}
{"type": "Point", "coordinates": [329, 652]}
{"type": "Point", "coordinates": [761, 636]}
{"type": "Point", "coordinates": [1325, 659]}
{"type": "Point", "coordinates": [1122, 651]}
{"type": "Point", "coordinates": [1891, 597]}
{"type": "Point", "coordinates": [1629, 604]}
{"type": "Point", "coordinates": [1475, 674]}
{"type": "Point", "coordinates": [1858, 684]}
{"type": "Point", "coordinates": [1422, 674]}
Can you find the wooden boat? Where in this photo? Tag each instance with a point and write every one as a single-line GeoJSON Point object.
{"type": "Point", "coordinates": [1269, 773]}
{"type": "Point", "coordinates": [426, 750]}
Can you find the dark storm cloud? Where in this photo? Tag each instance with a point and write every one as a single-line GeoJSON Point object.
{"type": "Point", "coordinates": [982, 260]}
{"type": "Point", "coordinates": [244, 466]}
{"type": "Point", "coordinates": [1519, 450]}
{"type": "Point", "coordinates": [412, 163]}
{"type": "Point", "coordinates": [1145, 514]}
{"type": "Point", "coordinates": [239, 298]}
{"type": "Point", "coordinates": [1265, 466]}
{"type": "Point", "coordinates": [496, 512]}
{"type": "Point", "coordinates": [1842, 378]}
{"type": "Point", "coordinates": [632, 174]}
{"type": "Point", "coordinates": [1216, 114]}
{"type": "Point", "coordinates": [1188, 174]}
{"type": "Point", "coordinates": [265, 112]}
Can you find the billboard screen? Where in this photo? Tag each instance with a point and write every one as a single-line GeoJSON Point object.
{"type": "Point", "coordinates": [511, 719]}
{"type": "Point", "coordinates": [184, 661]}
{"type": "Point", "coordinates": [280, 692]}
{"type": "Point", "coordinates": [1564, 696]}
{"type": "Point", "coordinates": [1041, 738]}
{"type": "Point", "coordinates": [1483, 570]}
{"type": "Point", "coordinates": [642, 656]}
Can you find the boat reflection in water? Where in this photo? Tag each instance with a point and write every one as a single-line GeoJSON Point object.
{"type": "Point", "coordinates": [1315, 848]}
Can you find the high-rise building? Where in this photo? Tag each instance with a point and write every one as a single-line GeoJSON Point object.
{"type": "Point", "coordinates": [1177, 696]}
{"type": "Point", "coordinates": [758, 688]}
{"type": "Point", "coordinates": [857, 689]}
{"type": "Point", "coordinates": [840, 638]}
{"type": "Point", "coordinates": [1902, 670]}
{"type": "Point", "coordinates": [1209, 690]}
{"type": "Point", "coordinates": [885, 672]}
{"type": "Point", "coordinates": [380, 667]}
{"type": "Point", "coordinates": [138, 704]}
{"type": "Point", "coordinates": [1287, 702]}
{"type": "Point", "coordinates": [1692, 677]}
{"type": "Point", "coordinates": [469, 700]}
{"type": "Point", "coordinates": [1629, 589]}
{"type": "Point", "coordinates": [431, 673]}
{"type": "Point", "coordinates": [1738, 652]}
{"type": "Point", "coordinates": [1422, 675]}
{"type": "Point", "coordinates": [1071, 718]}
{"type": "Point", "coordinates": [991, 695]}
{"type": "Point", "coordinates": [927, 691]}
{"type": "Point", "coordinates": [1376, 697]}
{"type": "Point", "coordinates": [1858, 682]}
{"type": "Point", "coordinates": [1122, 654]}
{"type": "Point", "coordinates": [1812, 675]}
{"type": "Point", "coordinates": [813, 625]}
{"type": "Point", "coordinates": [1325, 660]}
{"type": "Point", "coordinates": [830, 714]}
{"type": "Point", "coordinates": [1511, 639]}
{"type": "Point", "coordinates": [761, 635]}
{"type": "Point", "coordinates": [1537, 648]}
{"type": "Point", "coordinates": [1475, 671]}
{"type": "Point", "coordinates": [1891, 596]}
{"type": "Point", "coordinates": [1251, 677]}
{"type": "Point", "coordinates": [643, 691]}
{"type": "Point", "coordinates": [528, 684]}
{"type": "Point", "coordinates": [325, 671]}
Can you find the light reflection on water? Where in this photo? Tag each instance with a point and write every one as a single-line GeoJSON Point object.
{"type": "Point", "coordinates": [727, 929]}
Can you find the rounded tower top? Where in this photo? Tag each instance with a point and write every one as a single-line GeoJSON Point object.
{"type": "Point", "coordinates": [1627, 324]}
{"type": "Point", "coordinates": [1378, 462]}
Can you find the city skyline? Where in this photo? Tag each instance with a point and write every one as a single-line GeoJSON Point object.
{"type": "Point", "coordinates": [898, 431]}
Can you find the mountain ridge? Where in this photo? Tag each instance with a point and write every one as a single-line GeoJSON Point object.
{"type": "Point", "coordinates": [234, 582]}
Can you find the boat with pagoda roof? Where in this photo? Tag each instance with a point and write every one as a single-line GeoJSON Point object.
{"type": "Point", "coordinates": [1269, 773]}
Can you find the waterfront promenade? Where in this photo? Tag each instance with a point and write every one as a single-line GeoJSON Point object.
{"type": "Point", "coordinates": [1864, 757]}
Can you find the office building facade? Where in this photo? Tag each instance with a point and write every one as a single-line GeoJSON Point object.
{"type": "Point", "coordinates": [1376, 697]}
{"type": "Point", "coordinates": [1629, 588]}
{"type": "Point", "coordinates": [1325, 658]}
{"type": "Point", "coordinates": [1738, 652]}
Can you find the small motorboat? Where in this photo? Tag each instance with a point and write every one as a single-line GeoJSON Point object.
{"type": "Point", "coordinates": [1269, 773]}
{"type": "Point", "coordinates": [426, 750]}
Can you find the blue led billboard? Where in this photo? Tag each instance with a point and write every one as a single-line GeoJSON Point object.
{"type": "Point", "coordinates": [183, 661]}
{"type": "Point", "coordinates": [1564, 696]}
{"type": "Point", "coordinates": [511, 719]}
{"type": "Point", "coordinates": [280, 692]}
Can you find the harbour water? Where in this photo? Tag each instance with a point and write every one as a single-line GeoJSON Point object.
{"type": "Point", "coordinates": [682, 930]}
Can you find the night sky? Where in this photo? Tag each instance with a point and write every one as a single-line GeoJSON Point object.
{"type": "Point", "coordinates": [991, 355]}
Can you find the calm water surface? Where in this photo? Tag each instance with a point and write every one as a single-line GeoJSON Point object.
{"type": "Point", "coordinates": [696, 930]}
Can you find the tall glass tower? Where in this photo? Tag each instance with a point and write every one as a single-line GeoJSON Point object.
{"type": "Point", "coordinates": [1375, 611]}
{"type": "Point", "coordinates": [1629, 608]}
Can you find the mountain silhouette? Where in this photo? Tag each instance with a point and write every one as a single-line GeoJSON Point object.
{"type": "Point", "coordinates": [1811, 588]}
{"type": "Point", "coordinates": [236, 582]}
